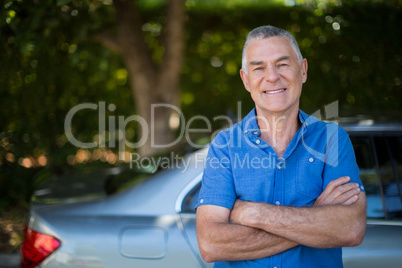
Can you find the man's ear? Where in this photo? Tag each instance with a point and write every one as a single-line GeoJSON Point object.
{"type": "Point", "coordinates": [304, 67]}
{"type": "Point", "coordinates": [243, 76]}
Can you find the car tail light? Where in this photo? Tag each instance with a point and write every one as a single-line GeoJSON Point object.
{"type": "Point", "coordinates": [36, 247]}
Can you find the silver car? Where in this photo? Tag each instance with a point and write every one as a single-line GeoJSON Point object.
{"type": "Point", "coordinates": [129, 217]}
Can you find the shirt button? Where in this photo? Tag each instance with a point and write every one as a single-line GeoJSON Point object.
{"type": "Point", "coordinates": [311, 160]}
{"type": "Point", "coordinates": [201, 201]}
{"type": "Point", "coordinates": [258, 141]}
{"type": "Point", "coordinates": [362, 187]}
{"type": "Point", "coordinates": [255, 132]}
{"type": "Point", "coordinates": [277, 203]}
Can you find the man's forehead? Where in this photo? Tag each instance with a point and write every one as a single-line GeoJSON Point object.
{"type": "Point", "coordinates": [274, 48]}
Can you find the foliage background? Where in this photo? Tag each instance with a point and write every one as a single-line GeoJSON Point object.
{"type": "Point", "coordinates": [50, 61]}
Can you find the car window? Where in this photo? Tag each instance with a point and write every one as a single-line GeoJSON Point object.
{"type": "Point", "coordinates": [389, 163]}
{"type": "Point", "coordinates": [188, 205]}
{"type": "Point", "coordinates": [365, 159]}
{"type": "Point", "coordinates": [146, 168]}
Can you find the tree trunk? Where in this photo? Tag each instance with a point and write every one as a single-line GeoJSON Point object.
{"type": "Point", "coordinates": [151, 84]}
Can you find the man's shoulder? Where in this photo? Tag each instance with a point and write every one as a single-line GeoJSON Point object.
{"type": "Point", "coordinates": [236, 130]}
{"type": "Point", "coordinates": [315, 126]}
{"type": "Point", "coordinates": [228, 134]}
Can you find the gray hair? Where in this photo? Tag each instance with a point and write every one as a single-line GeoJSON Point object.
{"type": "Point", "coordinates": [268, 31]}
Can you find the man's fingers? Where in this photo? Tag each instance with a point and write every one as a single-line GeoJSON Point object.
{"type": "Point", "coordinates": [342, 189]}
{"type": "Point", "coordinates": [346, 196]}
{"type": "Point", "coordinates": [339, 191]}
{"type": "Point", "coordinates": [334, 190]}
{"type": "Point", "coordinates": [351, 200]}
{"type": "Point", "coordinates": [335, 183]}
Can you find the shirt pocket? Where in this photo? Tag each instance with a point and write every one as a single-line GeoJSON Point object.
{"type": "Point", "coordinates": [309, 180]}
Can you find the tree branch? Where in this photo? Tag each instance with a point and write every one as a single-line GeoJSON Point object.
{"type": "Point", "coordinates": [109, 40]}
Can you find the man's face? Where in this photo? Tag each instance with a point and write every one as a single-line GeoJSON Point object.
{"type": "Point", "coordinates": [274, 76]}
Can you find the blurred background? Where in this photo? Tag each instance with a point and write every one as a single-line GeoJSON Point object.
{"type": "Point", "coordinates": [129, 54]}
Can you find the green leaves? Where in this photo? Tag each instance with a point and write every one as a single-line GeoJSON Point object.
{"type": "Point", "coordinates": [63, 2]}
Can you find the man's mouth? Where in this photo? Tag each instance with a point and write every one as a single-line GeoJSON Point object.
{"type": "Point", "coordinates": [274, 91]}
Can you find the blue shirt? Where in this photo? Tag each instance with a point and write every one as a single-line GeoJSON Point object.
{"type": "Point", "coordinates": [240, 165]}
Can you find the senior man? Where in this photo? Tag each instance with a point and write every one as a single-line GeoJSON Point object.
{"type": "Point", "coordinates": [280, 188]}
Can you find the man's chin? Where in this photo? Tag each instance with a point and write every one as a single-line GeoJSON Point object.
{"type": "Point", "coordinates": [272, 109]}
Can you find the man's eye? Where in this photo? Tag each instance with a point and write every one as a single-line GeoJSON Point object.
{"type": "Point", "coordinates": [258, 69]}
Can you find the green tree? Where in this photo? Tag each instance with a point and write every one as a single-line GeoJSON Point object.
{"type": "Point", "coordinates": [152, 81]}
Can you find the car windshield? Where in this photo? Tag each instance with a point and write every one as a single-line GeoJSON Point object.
{"type": "Point", "coordinates": [93, 182]}
{"type": "Point", "coordinates": [141, 169]}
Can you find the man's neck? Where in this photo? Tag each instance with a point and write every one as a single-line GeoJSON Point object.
{"type": "Point", "coordinates": [278, 129]}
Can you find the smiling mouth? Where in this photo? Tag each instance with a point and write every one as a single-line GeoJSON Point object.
{"type": "Point", "coordinates": [275, 91]}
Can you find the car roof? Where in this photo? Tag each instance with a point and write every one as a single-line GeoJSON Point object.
{"type": "Point", "coordinates": [158, 195]}
{"type": "Point", "coordinates": [368, 124]}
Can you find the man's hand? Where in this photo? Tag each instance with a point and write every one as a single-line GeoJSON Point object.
{"type": "Point", "coordinates": [243, 211]}
{"type": "Point", "coordinates": [339, 192]}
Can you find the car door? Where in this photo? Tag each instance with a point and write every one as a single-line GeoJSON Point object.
{"type": "Point", "coordinates": [186, 205]}
{"type": "Point", "coordinates": [379, 156]}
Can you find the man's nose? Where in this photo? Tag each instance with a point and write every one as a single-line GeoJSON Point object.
{"type": "Point", "coordinates": [271, 74]}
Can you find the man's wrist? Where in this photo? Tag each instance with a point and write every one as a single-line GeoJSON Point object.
{"type": "Point", "coordinates": [260, 215]}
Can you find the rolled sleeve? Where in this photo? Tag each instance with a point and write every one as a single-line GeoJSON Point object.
{"type": "Point", "coordinates": [217, 182]}
{"type": "Point", "coordinates": [341, 160]}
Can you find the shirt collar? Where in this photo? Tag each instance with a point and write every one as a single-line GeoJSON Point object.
{"type": "Point", "coordinates": [250, 123]}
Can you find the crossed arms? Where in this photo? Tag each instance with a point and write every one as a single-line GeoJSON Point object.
{"type": "Point", "coordinates": [254, 230]}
